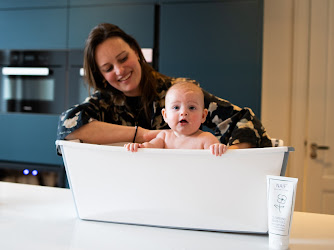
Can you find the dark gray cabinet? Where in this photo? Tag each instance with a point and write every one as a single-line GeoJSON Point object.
{"type": "Point", "coordinates": [103, 2]}
{"type": "Point", "coordinates": [43, 28]}
{"type": "Point", "coordinates": [28, 144]}
{"type": "Point", "coordinates": [218, 44]}
{"type": "Point", "coordinates": [135, 19]}
{"type": "Point", "coordinates": [5, 4]}
{"type": "Point", "coordinates": [29, 138]}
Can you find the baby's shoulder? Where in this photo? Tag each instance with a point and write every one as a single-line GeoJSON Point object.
{"type": "Point", "coordinates": [206, 134]}
{"type": "Point", "coordinates": [164, 133]}
{"type": "Point", "coordinates": [208, 137]}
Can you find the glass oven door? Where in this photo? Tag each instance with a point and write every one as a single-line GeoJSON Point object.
{"type": "Point", "coordinates": [33, 81]}
{"type": "Point", "coordinates": [32, 89]}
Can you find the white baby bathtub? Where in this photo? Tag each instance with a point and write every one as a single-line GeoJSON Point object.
{"type": "Point", "coordinates": [175, 188]}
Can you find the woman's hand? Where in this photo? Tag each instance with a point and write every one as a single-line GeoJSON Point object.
{"type": "Point", "coordinates": [146, 135]}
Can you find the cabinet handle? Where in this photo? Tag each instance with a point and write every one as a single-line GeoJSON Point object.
{"type": "Point", "coordinates": [315, 147]}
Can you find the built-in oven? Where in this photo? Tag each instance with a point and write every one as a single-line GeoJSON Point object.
{"type": "Point", "coordinates": [33, 81]}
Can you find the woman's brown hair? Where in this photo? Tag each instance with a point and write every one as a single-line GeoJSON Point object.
{"type": "Point", "coordinates": [94, 78]}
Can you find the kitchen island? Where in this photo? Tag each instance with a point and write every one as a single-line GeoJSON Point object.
{"type": "Point", "coordinates": [37, 217]}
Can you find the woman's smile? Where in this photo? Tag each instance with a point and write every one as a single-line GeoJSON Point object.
{"type": "Point", "coordinates": [122, 79]}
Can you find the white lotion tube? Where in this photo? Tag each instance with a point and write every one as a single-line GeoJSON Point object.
{"type": "Point", "coordinates": [281, 203]}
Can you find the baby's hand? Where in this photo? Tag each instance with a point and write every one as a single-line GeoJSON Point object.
{"type": "Point", "coordinates": [218, 149]}
{"type": "Point", "coordinates": [133, 147]}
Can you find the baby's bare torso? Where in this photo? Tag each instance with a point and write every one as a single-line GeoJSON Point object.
{"type": "Point", "coordinates": [199, 140]}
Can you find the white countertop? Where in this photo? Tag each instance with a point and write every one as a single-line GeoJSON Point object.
{"type": "Point", "coordinates": [36, 217]}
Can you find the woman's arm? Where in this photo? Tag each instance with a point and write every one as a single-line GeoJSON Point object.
{"type": "Point", "coordinates": [236, 127]}
{"type": "Point", "coordinates": [241, 145]}
{"type": "Point", "coordinates": [98, 121]}
{"type": "Point", "coordinates": [105, 133]}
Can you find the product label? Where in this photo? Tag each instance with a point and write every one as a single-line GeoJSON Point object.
{"type": "Point", "coordinates": [280, 202]}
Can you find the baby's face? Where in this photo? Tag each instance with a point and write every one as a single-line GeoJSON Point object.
{"type": "Point", "coordinates": [184, 111]}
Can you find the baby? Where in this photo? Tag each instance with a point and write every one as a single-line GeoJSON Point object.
{"type": "Point", "coordinates": [184, 112]}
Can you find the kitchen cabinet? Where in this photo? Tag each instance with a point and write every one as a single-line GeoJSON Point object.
{"type": "Point", "coordinates": [190, 1]}
{"type": "Point", "coordinates": [103, 2]}
{"type": "Point", "coordinates": [29, 138]}
{"type": "Point", "coordinates": [135, 19]}
{"type": "Point", "coordinates": [32, 3]}
{"type": "Point", "coordinates": [28, 144]}
{"type": "Point", "coordinates": [98, 2]}
{"type": "Point", "coordinates": [43, 28]}
{"type": "Point", "coordinates": [218, 44]}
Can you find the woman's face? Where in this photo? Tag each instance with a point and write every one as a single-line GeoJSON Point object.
{"type": "Point", "coordinates": [119, 65]}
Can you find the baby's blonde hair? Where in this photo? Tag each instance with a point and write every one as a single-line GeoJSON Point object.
{"type": "Point", "coordinates": [186, 85]}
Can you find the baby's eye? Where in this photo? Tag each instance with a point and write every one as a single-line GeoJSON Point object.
{"type": "Point", "coordinates": [175, 107]}
{"type": "Point", "coordinates": [192, 107]}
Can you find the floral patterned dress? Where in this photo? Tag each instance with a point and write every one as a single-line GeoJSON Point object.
{"type": "Point", "coordinates": [228, 122]}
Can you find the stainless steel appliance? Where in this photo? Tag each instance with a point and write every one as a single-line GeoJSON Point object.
{"type": "Point", "coordinates": [33, 81]}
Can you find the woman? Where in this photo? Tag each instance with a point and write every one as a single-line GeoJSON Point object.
{"type": "Point", "coordinates": [129, 96]}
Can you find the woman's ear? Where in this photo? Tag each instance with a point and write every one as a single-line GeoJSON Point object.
{"type": "Point", "coordinates": [205, 113]}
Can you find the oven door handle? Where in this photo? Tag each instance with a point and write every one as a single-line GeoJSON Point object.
{"type": "Point", "coordinates": [25, 71]}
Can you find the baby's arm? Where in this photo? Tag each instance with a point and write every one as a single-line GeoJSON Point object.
{"type": "Point", "coordinates": [157, 142]}
{"type": "Point", "coordinates": [212, 143]}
